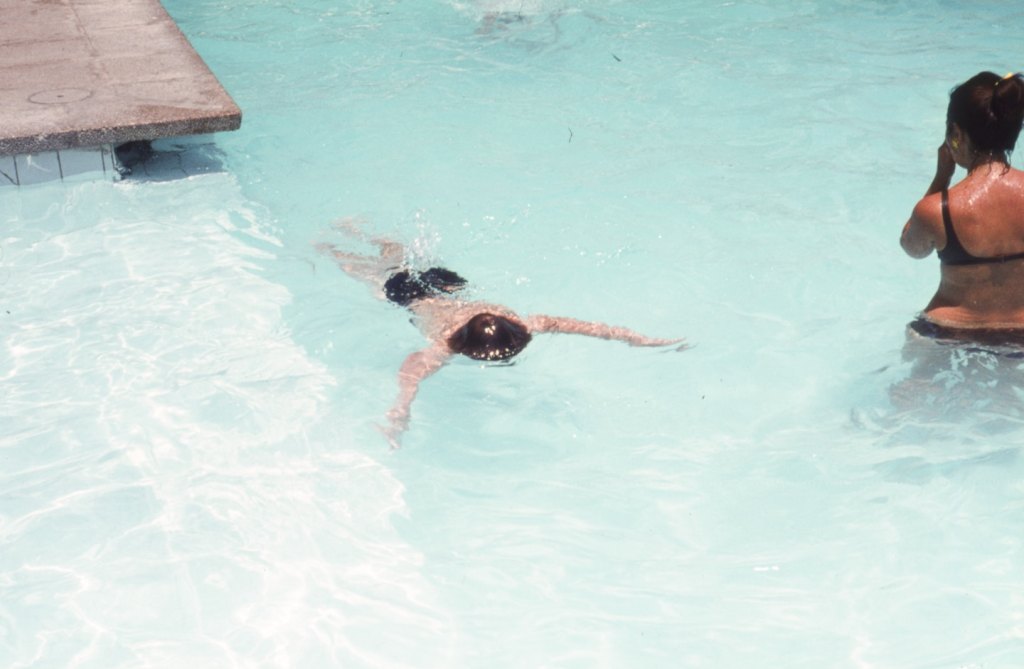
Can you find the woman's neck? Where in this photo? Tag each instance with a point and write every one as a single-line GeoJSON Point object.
{"type": "Point", "coordinates": [987, 162]}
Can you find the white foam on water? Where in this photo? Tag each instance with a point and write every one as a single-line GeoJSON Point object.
{"type": "Point", "coordinates": [164, 486]}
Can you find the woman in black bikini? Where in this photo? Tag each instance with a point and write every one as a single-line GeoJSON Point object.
{"type": "Point", "coordinates": [478, 330]}
{"type": "Point", "coordinates": [977, 225]}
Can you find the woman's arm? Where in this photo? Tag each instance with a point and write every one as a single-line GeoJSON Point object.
{"type": "Point", "coordinates": [921, 232]}
{"type": "Point", "coordinates": [919, 236]}
{"type": "Point", "coordinates": [944, 168]}
{"type": "Point", "coordinates": [417, 366]}
{"type": "Point", "coordinates": [564, 325]}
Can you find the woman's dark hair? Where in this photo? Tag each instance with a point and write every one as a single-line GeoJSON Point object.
{"type": "Point", "coordinates": [405, 287]}
{"type": "Point", "coordinates": [990, 109]}
{"type": "Point", "coordinates": [489, 337]}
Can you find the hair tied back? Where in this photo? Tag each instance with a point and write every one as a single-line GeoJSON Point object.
{"type": "Point", "coordinates": [990, 109]}
{"type": "Point", "coordinates": [1015, 97]}
{"type": "Point", "coordinates": [999, 85]}
{"type": "Point", "coordinates": [1007, 77]}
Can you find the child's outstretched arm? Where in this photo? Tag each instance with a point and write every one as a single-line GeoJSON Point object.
{"type": "Point", "coordinates": [541, 323]}
{"type": "Point", "coordinates": [417, 366]}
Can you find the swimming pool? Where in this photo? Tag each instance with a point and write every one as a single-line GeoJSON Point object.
{"type": "Point", "coordinates": [190, 467]}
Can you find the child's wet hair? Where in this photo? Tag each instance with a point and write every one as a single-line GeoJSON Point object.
{"type": "Point", "coordinates": [487, 336]}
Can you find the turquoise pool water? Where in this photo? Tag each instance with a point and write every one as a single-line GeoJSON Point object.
{"type": "Point", "coordinates": [190, 472]}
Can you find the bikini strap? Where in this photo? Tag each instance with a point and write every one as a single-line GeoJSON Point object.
{"type": "Point", "coordinates": [947, 221]}
{"type": "Point", "coordinates": [953, 252]}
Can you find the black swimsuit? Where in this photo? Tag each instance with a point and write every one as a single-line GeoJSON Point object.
{"type": "Point", "coordinates": [407, 286]}
{"type": "Point", "coordinates": [1002, 343]}
{"type": "Point", "coordinates": [954, 252]}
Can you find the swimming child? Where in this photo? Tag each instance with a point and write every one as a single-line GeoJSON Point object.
{"type": "Point", "coordinates": [478, 330]}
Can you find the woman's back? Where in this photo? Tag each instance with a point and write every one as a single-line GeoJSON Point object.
{"type": "Point", "coordinates": [986, 213]}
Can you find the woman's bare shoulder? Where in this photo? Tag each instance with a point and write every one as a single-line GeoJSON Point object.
{"type": "Point", "coordinates": [1014, 187]}
{"type": "Point", "coordinates": [929, 209]}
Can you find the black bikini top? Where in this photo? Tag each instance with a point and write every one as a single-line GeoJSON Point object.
{"type": "Point", "coordinates": [954, 253]}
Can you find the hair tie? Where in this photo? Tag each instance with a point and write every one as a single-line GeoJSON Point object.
{"type": "Point", "coordinates": [995, 86]}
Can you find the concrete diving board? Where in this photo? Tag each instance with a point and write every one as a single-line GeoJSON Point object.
{"type": "Point", "coordinates": [93, 74]}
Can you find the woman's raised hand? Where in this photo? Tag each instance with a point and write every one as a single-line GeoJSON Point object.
{"type": "Point", "coordinates": [945, 165]}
